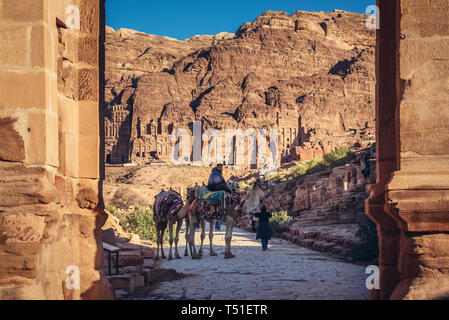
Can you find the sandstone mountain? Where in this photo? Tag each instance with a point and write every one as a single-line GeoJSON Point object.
{"type": "Point", "coordinates": [310, 75]}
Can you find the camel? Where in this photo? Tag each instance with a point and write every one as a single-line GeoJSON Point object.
{"type": "Point", "coordinates": [231, 215]}
{"type": "Point", "coordinates": [195, 219]}
{"type": "Point", "coordinates": [170, 220]}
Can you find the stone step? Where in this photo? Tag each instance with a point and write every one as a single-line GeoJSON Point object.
{"type": "Point", "coordinates": [120, 294]}
{"type": "Point", "coordinates": [123, 282]}
{"type": "Point", "coordinates": [148, 263]}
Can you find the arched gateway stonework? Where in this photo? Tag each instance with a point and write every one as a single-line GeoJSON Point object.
{"type": "Point", "coordinates": [410, 202]}
{"type": "Point", "coordinates": [52, 149]}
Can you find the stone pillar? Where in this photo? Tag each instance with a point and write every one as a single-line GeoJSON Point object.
{"type": "Point", "coordinates": [410, 202]}
{"type": "Point", "coordinates": [51, 161]}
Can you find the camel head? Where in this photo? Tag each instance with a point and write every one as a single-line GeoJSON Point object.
{"type": "Point", "coordinates": [192, 193]}
{"type": "Point", "coordinates": [260, 188]}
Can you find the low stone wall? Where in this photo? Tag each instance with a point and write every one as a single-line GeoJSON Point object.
{"type": "Point", "coordinates": [333, 197]}
{"type": "Point", "coordinates": [325, 206]}
{"type": "Point", "coordinates": [335, 239]}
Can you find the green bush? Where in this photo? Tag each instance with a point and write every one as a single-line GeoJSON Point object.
{"type": "Point", "coordinates": [246, 184]}
{"type": "Point", "coordinates": [336, 158]}
{"type": "Point", "coordinates": [368, 250]}
{"type": "Point", "coordinates": [280, 222]}
{"type": "Point", "coordinates": [139, 221]}
{"type": "Point", "coordinates": [339, 157]}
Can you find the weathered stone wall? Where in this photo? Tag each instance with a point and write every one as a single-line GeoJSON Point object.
{"type": "Point", "coordinates": [410, 202]}
{"type": "Point", "coordinates": [329, 197]}
{"type": "Point", "coordinates": [51, 208]}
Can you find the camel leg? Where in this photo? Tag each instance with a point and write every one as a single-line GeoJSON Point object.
{"type": "Point", "coordinates": [203, 235]}
{"type": "Point", "coordinates": [157, 241]}
{"type": "Point", "coordinates": [211, 236]}
{"type": "Point", "coordinates": [178, 228]}
{"type": "Point", "coordinates": [229, 227]}
{"type": "Point", "coordinates": [162, 240]}
{"type": "Point", "coordinates": [186, 252]}
{"type": "Point", "coordinates": [170, 229]}
{"type": "Point", "coordinates": [191, 238]}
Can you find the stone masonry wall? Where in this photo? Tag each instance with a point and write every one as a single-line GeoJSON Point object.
{"type": "Point", "coordinates": [410, 202]}
{"type": "Point", "coordinates": [51, 208]}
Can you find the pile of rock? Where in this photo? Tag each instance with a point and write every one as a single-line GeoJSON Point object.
{"type": "Point", "coordinates": [135, 259]}
{"type": "Point", "coordinates": [326, 207]}
{"type": "Point", "coordinates": [333, 197]}
{"type": "Point", "coordinates": [337, 239]}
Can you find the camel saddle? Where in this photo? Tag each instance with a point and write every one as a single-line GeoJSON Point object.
{"type": "Point", "coordinates": [169, 202]}
{"type": "Point", "coordinates": [212, 201]}
{"type": "Point", "coordinates": [213, 198]}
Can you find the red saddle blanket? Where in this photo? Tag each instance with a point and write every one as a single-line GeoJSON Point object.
{"type": "Point", "coordinates": [167, 202]}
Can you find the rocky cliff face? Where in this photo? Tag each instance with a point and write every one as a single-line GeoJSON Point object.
{"type": "Point", "coordinates": [310, 75]}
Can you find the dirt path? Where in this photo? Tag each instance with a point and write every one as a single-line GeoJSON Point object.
{"type": "Point", "coordinates": [284, 272]}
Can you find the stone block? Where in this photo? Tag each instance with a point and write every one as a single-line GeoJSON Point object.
{"type": "Point", "coordinates": [424, 19]}
{"type": "Point", "coordinates": [139, 280]}
{"type": "Point", "coordinates": [120, 294]}
{"type": "Point", "coordinates": [130, 258]}
{"type": "Point", "coordinates": [11, 145]}
{"type": "Point", "coordinates": [122, 239]}
{"type": "Point", "coordinates": [148, 263]}
{"type": "Point", "coordinates": [42, 144]}
{"type": "Point", "coordinates": [68, 154]}
{"type": "Point", "coordinates": [88, 84]}
{"type": "Point", "coordinates": [88, 119]}
{"type": "Point", "coordinates": [123, 282]}
{"type": "Point", "coordinates": [70, 39]}
{"type": "Point", "coordinates": [89, 160]}
{"type": "Point", "coordinates": [24, 90]}
{"type": "Point", "coordinates": [24, 11]}
{"type": "Point", "coordinates": [23, 290]}
{"type": "Point", "coordinates": [416, 52]}
{"type": "Point", "coordinates": [68, 79]}
{"type": "Point", "coordinates": [308, 243]}
{"type": "Point", "coordinates": [147, 253]}
{"type": "Point", "coordinates": [14, 41]}
{"type": "Point", "coordinates": [89, 14]}
{"type": "Point", "coordinates": [129, 246]}
{"type": "Point", "coordinates": [88, 50]}
{"type": "Point", "coordinates": [65, 189]}
{"type": "Point", "coordinates": [43, 44]}
{"type": "Point", "coordinates": [24, 266]}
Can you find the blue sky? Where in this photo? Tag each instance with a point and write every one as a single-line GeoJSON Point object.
{"type": "Point", "coordinates": [182, 19]}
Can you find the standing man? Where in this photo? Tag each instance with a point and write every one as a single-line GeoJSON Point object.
{"type": "Point", "coordinates": [264, 228]}
{"type": "Point", "coordinates": [217, 183]}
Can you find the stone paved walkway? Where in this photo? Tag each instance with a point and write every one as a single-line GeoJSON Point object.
{"type": "Point", "coordinates": [285, 272]}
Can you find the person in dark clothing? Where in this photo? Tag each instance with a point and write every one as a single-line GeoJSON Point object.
{"type": "Point", "coordinates": [366, 166]}
{"type": "Point", "coordinates": [218, 225]}
{"type": "Point", "coordinates": [216, 181]}
{"type": "Point", "coordinates": [264, 228]}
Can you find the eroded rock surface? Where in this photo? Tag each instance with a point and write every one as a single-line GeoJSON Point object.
{"type": "Point", "coordinates": [309, 74]}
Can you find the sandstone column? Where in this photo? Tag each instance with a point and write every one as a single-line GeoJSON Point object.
{"type": "Point", "coordinates": [413, 149]}
{"type": "Point", "coordinates": [51, 207]}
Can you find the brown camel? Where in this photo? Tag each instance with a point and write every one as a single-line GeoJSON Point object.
{"type": "Point", "coordinates": [260, 188]}
{"type": "Point", "coordinates": [162, 219]}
